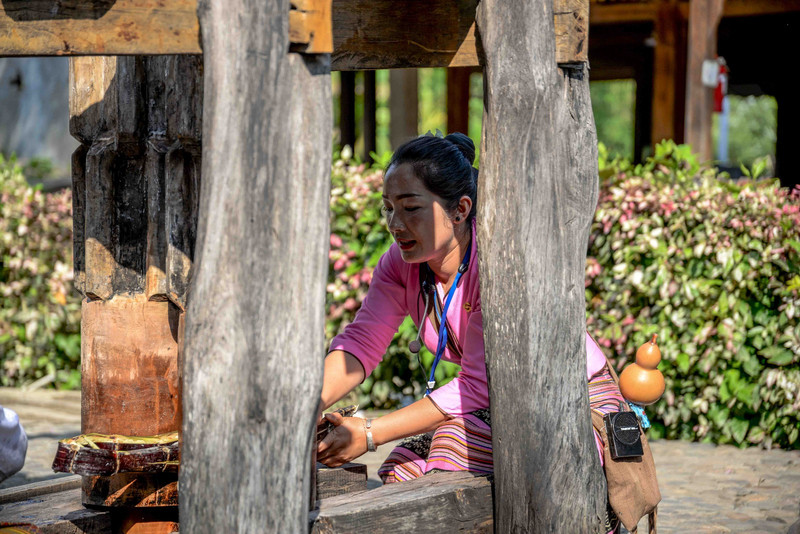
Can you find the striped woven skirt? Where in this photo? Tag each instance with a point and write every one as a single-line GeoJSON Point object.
{"type": "Point", "coordinates": [465, 443]}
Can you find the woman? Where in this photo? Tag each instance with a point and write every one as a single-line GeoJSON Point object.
{"type": "Point", "coordinates": [429, 197]}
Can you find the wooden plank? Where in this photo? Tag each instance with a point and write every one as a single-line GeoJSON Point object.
{"type": "Point", "coordinates": [704, 18]}
{"type": "Point", "coordinates": [46, 28]}
{"type": "Point", "coordinates": [536, 196]}
{"type": "Point", "coordinates": [749, 8]}
{"type": "Point", "coordinates": [58, 513]}
{"type": "Point", "coordinates": [37, 489]}
{"type": "Point", "coordinates": [418, 33]}
{"type": "Point", "coordinates": [262, 246]}
{"type": "Point", "coordinates": [440, 502]}
{"type": "Point", "coordinates": [333, 481]}
{"type": "Point", "coordinates": [622, 13]}
{"type": "Point", "coordinates": [366, 34]}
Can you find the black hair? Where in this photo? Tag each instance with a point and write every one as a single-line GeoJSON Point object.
{"type": "Point", "coordinates": [445, 167]}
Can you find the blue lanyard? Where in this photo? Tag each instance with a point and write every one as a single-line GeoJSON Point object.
{"type": "Point", "coordinates": [443, 321]}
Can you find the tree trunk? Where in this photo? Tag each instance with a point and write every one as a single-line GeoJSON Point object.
{"type": "Point", "coordinates": [537, 195]}
{"type": "Point", "coordinates": [255, 317]}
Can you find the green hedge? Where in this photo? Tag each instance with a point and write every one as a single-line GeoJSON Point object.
{"type": "Point", "coordinates": [39, 311]}
{"type": "Point", "coordinates": [713, 267]}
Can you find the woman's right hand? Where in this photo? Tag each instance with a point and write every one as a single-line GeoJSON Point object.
{"type": "Point", "coordinates": [344, 443]}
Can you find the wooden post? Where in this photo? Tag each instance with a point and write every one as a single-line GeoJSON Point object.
{"type": "Point", "coordinates": [704, 17]}
{"type": "Point", "coordinates": [666, 67]}
{"type": "Point", "coordinates": [642, 115]}
{"type": "Point", "coordinates": [370, 112]}
{"type": "Point", "coordinates": [347, 109]}
{"type": "Point", "coordinates": [458, 99]}
{"type": "Point", "coordinates": [537, 195]}
{"type": "Point", "coordinates": [403, 105]}
{"type": "Point", "coordinates": [256, 320]}
{"type": "Point", "coordinates": [788, 136]}
{"type": "Point", "coordinates": [135, 178]}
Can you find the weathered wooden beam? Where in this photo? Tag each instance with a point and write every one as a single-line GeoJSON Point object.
{"type": "Point", "coordinates": [749, 8]}
{"type": "Point", "coordinates": [366, 34]}
{"type": "Point", "coordinates": [704, 18]}
{"type": "Point", "coordinates": [536, 198]}
{"type": "Point", "coordinates": [440, 502]}
{"type": "Point", "coordinates": [58, 512]}
{"type": "Point", "coordinates": [255, 320]}
{"type": "Point", "coordinates": [622, 13]}
{"type": "Point", "coordinates": [37, 489]}
{"type": "Point", "coordinates": [333, 481]}
{"type": "Point", "coordinates": [76, 27]}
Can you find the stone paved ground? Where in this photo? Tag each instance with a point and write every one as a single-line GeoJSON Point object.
{"type": "Point", "coordinates": [705, 488]}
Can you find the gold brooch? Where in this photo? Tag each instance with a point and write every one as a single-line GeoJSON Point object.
{"type": "Point", "coordinates": [468, 306]}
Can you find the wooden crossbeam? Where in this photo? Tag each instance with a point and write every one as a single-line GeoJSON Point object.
{"type": "Point", "coordinates": [631, 13]}
{"type": "Point", "coordinates": [104, 27]}
{"type": "Point", "coordinates": [367, 34]}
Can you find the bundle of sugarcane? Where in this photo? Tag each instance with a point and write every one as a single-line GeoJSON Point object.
{"type": "Point", "coordinates": [102, 454]}
{"type": "Point", "coordinates": [326, 426]}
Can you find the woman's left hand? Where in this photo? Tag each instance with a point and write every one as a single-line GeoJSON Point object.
{"type": "Point", "coordinates": [346, 442]}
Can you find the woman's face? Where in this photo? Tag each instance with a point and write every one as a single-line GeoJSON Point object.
{"type": "Point", "coordinates": [416, 217]}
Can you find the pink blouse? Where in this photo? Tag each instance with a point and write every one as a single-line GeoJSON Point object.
{"type": "Point", "coordinates": [394, 294]}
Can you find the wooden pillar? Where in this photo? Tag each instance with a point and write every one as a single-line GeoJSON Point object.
{"type": "Point", "coordinates": [347, 109]}
{"type": "Point", "coordinates": [536, 198]}
{"type": "Point", "coordinates": [642, 116]}
{"type": "Point", "coordinates": [788, 138]}
{"type": "Point", "coordinates": [704, 17]}
{"type": "Point", "coordinates": [667, 73]}
{"type": "Point", "coordinates": [458, 99]}
{"type": "Point", "coordinates": [370, 112]}
{"type": "Point", "coordinates": [135, 182]}
{"type": "Point", "coordinates": [403, 106]}
{"type": "Point", "coordinates": [256, 318]}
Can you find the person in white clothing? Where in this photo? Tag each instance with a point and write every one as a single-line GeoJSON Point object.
{"type": "Point", "coordinates": [13, 443]}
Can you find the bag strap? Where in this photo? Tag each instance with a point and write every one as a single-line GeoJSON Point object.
{"type": "Point", "coordinates": [651, 522]}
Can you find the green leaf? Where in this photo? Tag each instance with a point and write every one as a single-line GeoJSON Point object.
{"type": "Point", "coordinates": [746, 395]}
{"type": "Point", "coordinates": [682, 360]}
{"type": "Point", "coordinates": [777, 355]}
{"type": "Point", "coordinates": [718, 414]}
{"type": "Point", "coordinates": [739, 428]}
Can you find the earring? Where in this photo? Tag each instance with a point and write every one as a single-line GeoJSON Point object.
{"type": "Point", "coordinates": [458, 219]}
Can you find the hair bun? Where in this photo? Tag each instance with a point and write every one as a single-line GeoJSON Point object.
{"type": "Point", "coordinates": [464, 145]}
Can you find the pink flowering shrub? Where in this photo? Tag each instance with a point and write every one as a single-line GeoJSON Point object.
{"type": "Point", "coordinates": [712, 267]}
{"type": "Point", "coordinates": [358, 239]}
{"type": "Point", "coordinates": [39, 311]}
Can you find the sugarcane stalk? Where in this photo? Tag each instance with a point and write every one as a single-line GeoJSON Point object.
{"type": "Point", "coordinates": [108, 454]}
